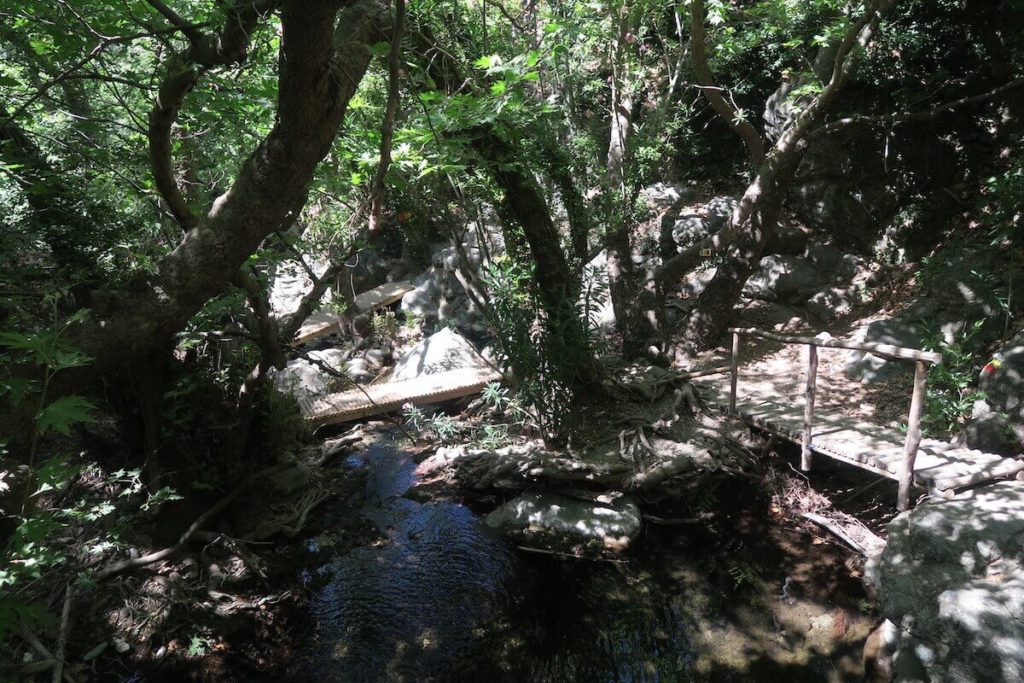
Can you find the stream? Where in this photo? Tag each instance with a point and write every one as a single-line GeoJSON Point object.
{"type": "Point", "coordinates": [440, 598]}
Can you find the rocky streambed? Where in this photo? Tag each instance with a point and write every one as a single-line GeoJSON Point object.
{"type": "Point", "coordinates": [440, 596]}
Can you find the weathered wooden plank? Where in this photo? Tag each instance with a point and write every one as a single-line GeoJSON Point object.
{"type": "Point", "coordinates": [888, 350]}
{"type": "Point", "coordinates": [938, 466]}
{"type": "Point", "coordinates": [376, 399]}
{"type": "Point", "coordinates": [317, 325]}
{"type": "Point", "coordinates": [323, 323]}
{"type": "Point", "coordinates": [384, 295]}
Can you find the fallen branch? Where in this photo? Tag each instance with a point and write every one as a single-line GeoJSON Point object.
{"type": "Point", "coordinates": [843, 535]}
{"type": "Point", "coordinates": [116, 568]}
{"type": "Point", "coordinates": [907, 117]}
{"type": "Point", "coordinates": [235, 545]}
{"type": "Point", "coordinates": [674, 521]}
{"type": "Point", "coordinates": [29, 637]}
{"type": "Point", "coordinates": [555, 553]}
{"type": "Point", "coordinates": [62, 636]}
{"type": "Point", "coordinates": [687, 459]}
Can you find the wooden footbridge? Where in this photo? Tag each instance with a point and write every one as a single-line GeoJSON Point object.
{"type": "Point", "coordinates": [940, 467]}
{"type": "Point", "coordinates": [325, 322]}
{"type": "Point", "coordinates": [376, 399]}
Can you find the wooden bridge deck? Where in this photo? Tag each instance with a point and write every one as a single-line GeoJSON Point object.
{"type": "Point", "coordinates": [376, 399]}
{"type": "Point", "coordinates": [325, 322]}
{"type": "Point", "coordinates": [940, 467]}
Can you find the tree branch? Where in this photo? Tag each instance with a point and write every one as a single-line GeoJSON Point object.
{"type": "Point", "coordinates": [102, 45]}
{"type": "Point", "coordinates": [859, 33]}
{"type": "Point", "coordinates": [725, 109]}
{"type": "Point", "coordinates": [189, 30]}
{"type": "Point", "coordinates": [122, 566]}
{"type": "Point", "coordinates": [388, 126]}
{"type": "Point", "coordinates": [266, 326]}
{"type": "Point", "coordinates": [324, 53]}
{"type": "Point", "coordinates": [924, 115]}
{"type": "Point", "coordinates": [290, 325]}
{"type": "Point", "coordinates": [206, 51]}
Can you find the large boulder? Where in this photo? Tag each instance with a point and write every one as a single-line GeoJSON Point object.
{"type": "Point", "coordinates": [957, 307]}
{"type": "Point", "coordinates": [869, 368]}
{"type": "Point", "coordinates": [683, 228]}
{"type": "Point", "coordinates": [557, 522]}
{"type": "Point", "coordinates": [837, 192]}
{"type": "Point", "coordinates": [681, 232]}
{"type": "Point", "coordinates": [994, 433]}
{"type": "Point", "coordinates": [307, 378]}
{"type": "Point", "coordinates": [289, 283]}
{"type": "Point", "coordinates": [830, 304]}
{"type": "Point", "coordinates": [439, 297]}
{"type": "Point", "coordinates": [663, 196]}
{"type": "Point", "coordinates": [441, 351]}
{"type": "Point", "coordinates": [788, 238]}
{"type": "Point", "coordinates": [770, 315]}
{"type": "Point", "coordinates": [951, 578]}
{"type": "Point", "coordinates": [787, 279]}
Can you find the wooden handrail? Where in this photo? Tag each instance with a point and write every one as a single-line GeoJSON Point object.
{"type": "Point", "coordinates": [890, 350]}
{"type": "Point", "coordinates": [920, 358]}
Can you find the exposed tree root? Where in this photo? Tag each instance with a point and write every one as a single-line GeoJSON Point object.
{"type": "Point", "coordinates": [116, 568]}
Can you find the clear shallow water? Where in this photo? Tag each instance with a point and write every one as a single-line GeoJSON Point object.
{"type": "Point", "coordinates": [411, 607]}
{"type": "Point", "coordinates": [441, 599]}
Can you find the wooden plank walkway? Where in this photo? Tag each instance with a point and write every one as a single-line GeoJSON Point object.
{"type": "Point", "coordinates": [376, 399]}
{"type": "Point", "coordinates": [940, 467]}
{"type": "Point", "coordinates": [324, 322]}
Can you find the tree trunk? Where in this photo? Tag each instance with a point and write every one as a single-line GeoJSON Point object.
{"type": "Point", "coordinates": [320, 69]}
{"type": "Point", "coordinates": [621, 131]}
{"type": "Point", "coordinates": [755, 218]}
{"type": "Point", "coordinates": [621, 124]}
{"type": "Point", "coordinates": [558, 286]}
{"type": "Point", "coordinates": [637, 300]}
{"type": "Point", "coordinates": [712, 313]}
{"type": "Point", "coordinates": [560, 170]}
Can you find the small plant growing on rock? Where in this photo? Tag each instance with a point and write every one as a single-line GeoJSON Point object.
{"type": "Point", "coordinates": [951, 384]}
{"type": "Point", "coordinates": [385, 328]}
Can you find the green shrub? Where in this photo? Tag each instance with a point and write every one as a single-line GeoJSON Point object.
{"type": "Point", "coordinates": [546, 353]}
{"type": "Point", "coordinates": [951, 383]}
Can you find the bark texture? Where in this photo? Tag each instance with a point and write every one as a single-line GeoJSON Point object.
{"type": "Point", "coordinates": [753, 222]}
{"type": "Point", "coordinates": [324, 55]}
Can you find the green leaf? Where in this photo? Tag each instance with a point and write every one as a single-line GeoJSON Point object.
{"type": "Point", "coordinates": [15, 388]}
{"type": "Point", "coordinates": [39, 47]}
{"type": "Point", "coordinates": [69, 359]}
{"type": "Point", "coordinates": [64, 412]}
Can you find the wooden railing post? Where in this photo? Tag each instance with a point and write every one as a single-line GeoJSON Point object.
{"type": "Point", "coordinates": [812, 381]}
{"type": "Point", "coordinates": [734, 370]}
{"type": "Point", "coordinates": [913, 436]}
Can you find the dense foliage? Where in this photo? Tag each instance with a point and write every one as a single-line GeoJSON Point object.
{"type": "Point", "coordinates": [160, 160]}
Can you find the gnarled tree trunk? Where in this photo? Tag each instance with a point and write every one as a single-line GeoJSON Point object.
{"type": "Point", "coordinates": [754, 220]}
{"type": "Point", "coordinates": [324, 54]}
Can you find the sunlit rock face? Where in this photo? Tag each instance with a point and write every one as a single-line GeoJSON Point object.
{"type": "Point", "coordinates": [308, 379]}
{"type": "Point", "coordinates": [557, 522]}
{"type": "Point", "coordinates": [439, 298]}
{"type": "Point", "coordinates": [997, 422]}
{"type": "Point", "coordinates": [952, 579]}
{"type": "Point", "coordinates": [440, 352]}
{"type": "Point", "coordinates": [957, 305]}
